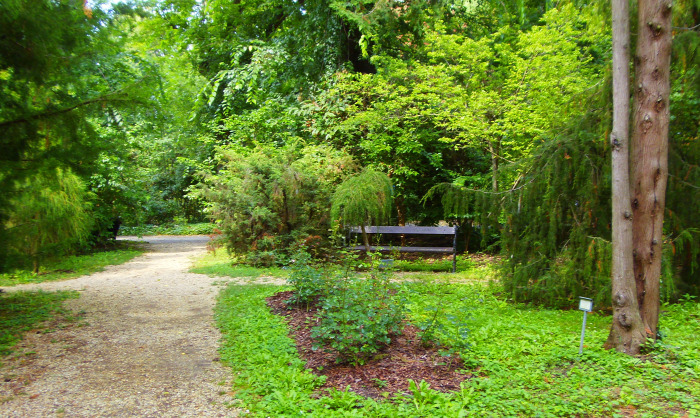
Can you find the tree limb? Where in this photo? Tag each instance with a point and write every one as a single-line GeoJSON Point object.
{"type": "Point", "coordinates": [48, 114]}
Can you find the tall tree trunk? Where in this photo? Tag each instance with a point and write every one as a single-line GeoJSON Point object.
{"type": "Point", "coordinates": [650, 152]}
{"type": "Point", "coordinates": [627, 330]}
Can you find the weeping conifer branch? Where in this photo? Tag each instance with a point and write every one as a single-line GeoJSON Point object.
{"type": "Point", "coordinates": [363, 199]}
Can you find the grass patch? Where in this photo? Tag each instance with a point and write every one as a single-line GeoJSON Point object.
{"type": "Point", "coordinates": [477, 274]}
{"type": "Point", "coordinates": [203, 228]}
{"type": "Point", "coordinates": [219, 264]}
{"type": "Point", "coordinates": [523, 361]}
{"type": "Point", "coordinates": [21, 312]}
{"type": "Point", "coordinates": [69, 267]}
{"type": "Point", "coordinates": [464, 263]}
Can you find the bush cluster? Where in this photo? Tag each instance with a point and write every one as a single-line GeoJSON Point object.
{"type": "Point", "coordinates": [269, 201]}
{"type": "Point", "coordinates": [357, 315]}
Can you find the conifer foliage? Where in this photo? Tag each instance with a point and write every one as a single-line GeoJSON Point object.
{"type": "Point", "coordinates": [49, 214]}
{"type": "Point", "coordinates": [362, 200]}
{"type": "Point", "coordinates": [272, 200]}
{"type": "Point", "coordinates": [556, 228]}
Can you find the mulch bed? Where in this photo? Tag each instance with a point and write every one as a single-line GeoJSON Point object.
{"type": "Point", "coordinates": [386, 373]}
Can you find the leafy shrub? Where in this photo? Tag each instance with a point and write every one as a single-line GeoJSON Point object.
{"type": "Point", "coordinates": [270, 199]}
{"type": "Point", "coordinates": [308, 282]}
{"type": "Point", "coordinates": [357, 316]}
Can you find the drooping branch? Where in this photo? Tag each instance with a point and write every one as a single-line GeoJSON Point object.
{"type": "Point", "coordinates": [110, 97]}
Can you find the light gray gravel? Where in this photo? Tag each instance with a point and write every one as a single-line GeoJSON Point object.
{"type": "Point", "coordinates": [146, 345]}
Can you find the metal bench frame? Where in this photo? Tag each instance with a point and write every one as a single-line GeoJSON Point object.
{"type": "Point", "coordinates": [411, 230]}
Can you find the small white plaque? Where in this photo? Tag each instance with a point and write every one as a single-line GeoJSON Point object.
{"type": "Point", "coordinates": [585, 304]}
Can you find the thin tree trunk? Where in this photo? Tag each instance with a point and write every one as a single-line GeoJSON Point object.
{"type": "Point", "coordinates": [626, 332]}
{"type": "Point", "coordinates": [494, 149]}
{"type": "Point", "coordinates": [401, 216]}
{"type": "Point", "coordinates": [365, 238]}
{"type": "Point", "coordinates": [650, 153]}
{"type": "Point", "coordinates": [468, 232]}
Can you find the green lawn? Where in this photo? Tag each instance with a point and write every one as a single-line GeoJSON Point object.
{"type": "Point", "coordinates": [69, 267]}
{"type": "Point", "coordinates": [220, 264]}
{"type": "Point", "coordinates": [21, 312]}
{"type": "Point", "coordinates": [525, 360]}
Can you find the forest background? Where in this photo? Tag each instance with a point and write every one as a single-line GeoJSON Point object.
{"type": "Point", "coordinates": [492, 115]}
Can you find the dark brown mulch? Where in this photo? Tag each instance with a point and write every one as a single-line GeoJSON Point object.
{"type": "Point", "coordinates": [387, 372]}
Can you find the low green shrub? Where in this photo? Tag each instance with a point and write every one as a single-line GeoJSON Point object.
{"type": "Point", "coordinates": [356, 314]}
{"type": "Point", "coordinates": [309, 283]}
{"type": "Point", "coordinates": [357, 317]}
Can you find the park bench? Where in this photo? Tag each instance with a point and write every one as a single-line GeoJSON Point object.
{"type": "Point", "coordinates": [407, 231]}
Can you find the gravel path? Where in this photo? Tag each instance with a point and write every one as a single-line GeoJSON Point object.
{"type": "Point", "coordinates": [146, 345]}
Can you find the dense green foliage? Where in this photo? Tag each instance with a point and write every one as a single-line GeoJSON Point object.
{"type": "Point", "coordinates": [75, 87]}
{"type": "Point", "coordinates": [516, 354]}
{"type": "Point", "coordinates": [49, 212]}
{"type": "Point", "coordinates": [24, 311]}
{"type": "Point", "coordinates": [557, 221]}
{"type": "Point", "coordinates": [490, 115]}
{"type": "Point", "coordinates": [273, 200]}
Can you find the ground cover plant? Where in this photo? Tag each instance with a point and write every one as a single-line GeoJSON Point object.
{"type": "Point", "coordinates": [69, 267]}
{"type": "Point", "coordinates": [21, 312]}
{"type": "Point", "coordinates": [518, 360]}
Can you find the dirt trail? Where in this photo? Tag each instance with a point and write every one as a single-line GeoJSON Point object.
{"type": "Point", "coordinates": [147, 347]}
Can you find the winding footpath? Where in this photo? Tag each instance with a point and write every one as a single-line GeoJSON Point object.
{"type": "Point", "coordinates": [145, 345]}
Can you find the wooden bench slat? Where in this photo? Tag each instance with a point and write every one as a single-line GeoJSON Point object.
{"type": "Point", "coordinates": [443, 250]}
{"type": "Point", "coordinates": [413, 230]}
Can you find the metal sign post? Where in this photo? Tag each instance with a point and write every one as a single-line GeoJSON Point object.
{"type": "Point", "coordinates": [585, 305]}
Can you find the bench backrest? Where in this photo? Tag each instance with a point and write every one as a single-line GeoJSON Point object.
{"type": "Point", "coordinates": [417, 230]}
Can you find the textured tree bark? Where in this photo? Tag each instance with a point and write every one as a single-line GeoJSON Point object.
{"type": "Point", "coordinates": [650, 153]}
{"type": "Point", "coordinates": [627, 330]}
